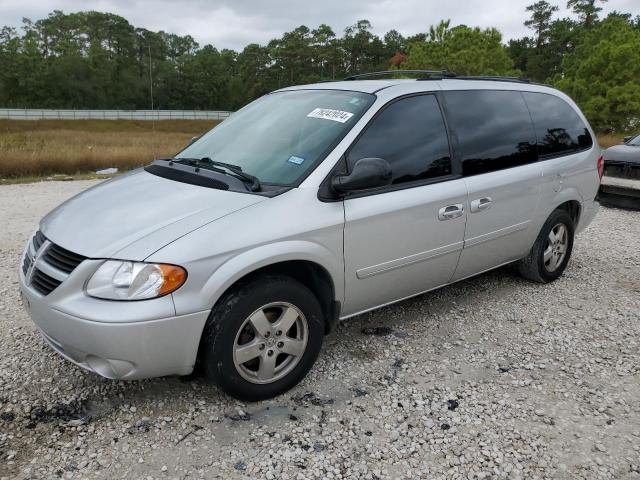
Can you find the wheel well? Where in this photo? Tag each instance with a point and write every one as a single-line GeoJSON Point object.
{"type": "Point", "coordinates": [311, 275]}
{"type": "Point", "coordinates": [572, 207]}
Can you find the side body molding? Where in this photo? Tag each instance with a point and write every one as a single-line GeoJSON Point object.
{"type": "Point", "coordinates": [410, 260]}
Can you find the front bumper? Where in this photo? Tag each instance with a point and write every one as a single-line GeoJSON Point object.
{"type": "Point", "coordinates": [624, 170]}
{"type": "Point", "coordinates": [620, 185]}
{"type": "Point", "coordinates": [120, 340]}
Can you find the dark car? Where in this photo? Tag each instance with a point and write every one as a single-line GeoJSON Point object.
{"type": "Point", "coordinates": [621, 181]}
{"type": "Point", "coordinates": [623, 160]}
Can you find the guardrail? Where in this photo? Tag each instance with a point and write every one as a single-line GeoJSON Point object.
{"type": "Point", "coordinates": [63, 114]}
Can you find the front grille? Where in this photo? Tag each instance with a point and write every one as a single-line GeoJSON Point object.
{"type": "Point", "coordinates": [62, 259]}
{"type": "Point", "coordinates": [26, 263]}
{"type": "Point", "coordinates": [43, 283]}
{"type": "Point", "coordinates": [38, 240]}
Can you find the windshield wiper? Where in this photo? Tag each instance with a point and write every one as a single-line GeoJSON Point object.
{"type": "Point", "coordinates": [237, 172]}
{"type": "Point", "coordinates": [232, 170]}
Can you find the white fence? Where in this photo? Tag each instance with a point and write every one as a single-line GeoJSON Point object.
{"type": "Point", "coordinates": [52, 114]}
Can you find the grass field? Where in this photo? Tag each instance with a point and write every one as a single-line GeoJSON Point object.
{"type": "Point", "coordinates": [37, 148]}
{"type": "Point", "coordinates": [609, 139]}
{"type": "Point", "coordinates": [33, 149]}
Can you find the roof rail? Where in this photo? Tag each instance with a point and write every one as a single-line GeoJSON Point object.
{"type": "Point", "coordinates": [494, 78]}
{"type": "Point", "coordinates": [440, 75]}
{"type": "Point", "coordinates": [429, 73]}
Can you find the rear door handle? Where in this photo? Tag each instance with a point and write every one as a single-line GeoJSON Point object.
{"type": "Point", "coordinates": [451, 211]}
{"type": "Point", "coordinates": [481, 204]}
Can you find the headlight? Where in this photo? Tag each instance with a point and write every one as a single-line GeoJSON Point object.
{"type": "Point", "coordinates": [117, 280]}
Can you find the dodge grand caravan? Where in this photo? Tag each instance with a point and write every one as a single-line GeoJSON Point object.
{"type": "Point", "coordinates": [312, 204]}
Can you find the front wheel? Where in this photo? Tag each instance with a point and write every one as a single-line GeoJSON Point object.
{"type": "Point", "coordinates": [550, 253]}
{"type": "Point", "coordinates": [262, 337]}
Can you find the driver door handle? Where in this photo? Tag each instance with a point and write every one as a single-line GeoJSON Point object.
{"type": "Point", "coordinates": [451, 211]}
{"type": "Point", "coordinates": [480, 204]}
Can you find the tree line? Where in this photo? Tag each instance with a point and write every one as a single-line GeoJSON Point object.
{"type": "Point", "coordinates": [99, 60]}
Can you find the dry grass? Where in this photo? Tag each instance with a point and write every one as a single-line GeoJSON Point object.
{"type": "Point", "coordinates": [33, 149]}
{"type": "Point", "coordinates": [607, 140]}
{"type": "Point", "coordinates": [46, 147]}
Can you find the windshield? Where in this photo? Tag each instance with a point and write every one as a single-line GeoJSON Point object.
{"type": "Point", "coordinates": [635, 141]}
{"type": "Point", "coordinates": [281, 136]}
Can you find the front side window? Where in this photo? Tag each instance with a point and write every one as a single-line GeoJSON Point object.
{"type": "Point", "coordinates": [635, 141]}
{"type": "Point", "coordinates": [493, 128]}
{"type": "Point", "coordinates": [559, 129]}
{"type": "Point", "coordinates": [409, 134]}
{"type": "Point", "coordinates": [280, 137]}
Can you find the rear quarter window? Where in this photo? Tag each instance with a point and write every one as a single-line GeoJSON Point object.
{"type": "Point", "coordinates": [559, 128]}
{"type": "Point", "coordinates": [493, 129]}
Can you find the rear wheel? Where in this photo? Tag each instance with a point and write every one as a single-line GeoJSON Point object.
{"type": "Point", "coordinates": [263, 337]}
{"type": "Point", "coordinates": [550, 253]}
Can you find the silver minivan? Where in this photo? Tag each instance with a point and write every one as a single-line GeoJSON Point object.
{"type": "Point", "coordinates": [312, 204]}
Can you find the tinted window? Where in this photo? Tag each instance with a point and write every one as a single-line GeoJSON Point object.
{"type": "Point", "coordinates": [558, 127]}
{"type": "Point", "coordinates": [493, 128]}
{"type": "Point", "coordinates": [411, 136]}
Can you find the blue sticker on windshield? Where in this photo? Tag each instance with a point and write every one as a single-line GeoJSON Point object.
{"type": "Point", "coordinates": [296, 160]}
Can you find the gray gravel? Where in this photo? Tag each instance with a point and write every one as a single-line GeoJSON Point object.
{"type": "Point", "coordinates": [492, 377]}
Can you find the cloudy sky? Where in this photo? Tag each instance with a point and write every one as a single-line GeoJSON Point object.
{"type": "Point", "coordinates": [235, 23]}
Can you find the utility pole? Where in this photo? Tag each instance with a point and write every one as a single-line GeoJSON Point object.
{"type": "Point", "coordinates": [153, 120]}
{"type": "Point", "coordinates": [150, 79]}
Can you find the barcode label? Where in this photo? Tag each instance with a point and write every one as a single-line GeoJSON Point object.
{"type": "Point", "coordinates": [330, 114]}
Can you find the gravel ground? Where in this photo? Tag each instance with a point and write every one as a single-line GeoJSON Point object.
{"type": "Point", "coordinates": [492, 377]}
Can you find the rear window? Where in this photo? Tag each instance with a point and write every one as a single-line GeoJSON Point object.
{"type": "Point", "coordinates": [493, 129]}
{"type": "Point", "coordinates": [559, 129]}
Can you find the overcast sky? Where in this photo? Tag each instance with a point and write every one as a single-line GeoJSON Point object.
{"type": "Point", "coordinates": [235, 23]}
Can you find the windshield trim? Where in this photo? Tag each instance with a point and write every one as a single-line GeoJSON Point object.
{"type": "Point", "coordinates": [330, 148]}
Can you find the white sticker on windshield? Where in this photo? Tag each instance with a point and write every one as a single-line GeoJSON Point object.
{"type": "Point", "coordinates": [330, 114]}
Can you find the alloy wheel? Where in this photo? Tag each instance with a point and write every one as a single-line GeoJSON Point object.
{"type": "Point", "coordinates": [556, 247]}
{"type": "Point", "coordinates": [270, 342]}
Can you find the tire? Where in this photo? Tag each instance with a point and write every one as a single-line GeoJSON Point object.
{"type": "Point", "coordinates": [243, 350]}
{"type": "Point", "coordinates": [534, 266]}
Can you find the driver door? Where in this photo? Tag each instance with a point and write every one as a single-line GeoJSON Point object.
{"type": "Point", "coordinates": [405, 238]}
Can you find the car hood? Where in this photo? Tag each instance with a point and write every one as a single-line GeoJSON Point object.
{"type": "Point", "coordinates": [136, 214]}
{"type": "Point", "coordinates": [623, 153]}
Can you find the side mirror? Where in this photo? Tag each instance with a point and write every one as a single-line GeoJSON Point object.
{"type": "Point", "coordinates": [193, 139]}
{"type": "Point", "coordinates": [366, 173]}
{"type": "Point", "coordinates": [626, 139]}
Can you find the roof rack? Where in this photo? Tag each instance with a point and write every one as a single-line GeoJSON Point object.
{"type": "Point", "coordinates": [430, 73]}
{"type": "Point", "coordinates": [494, 78]}
{"type": "Point", "coordinates": [439, 75]}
